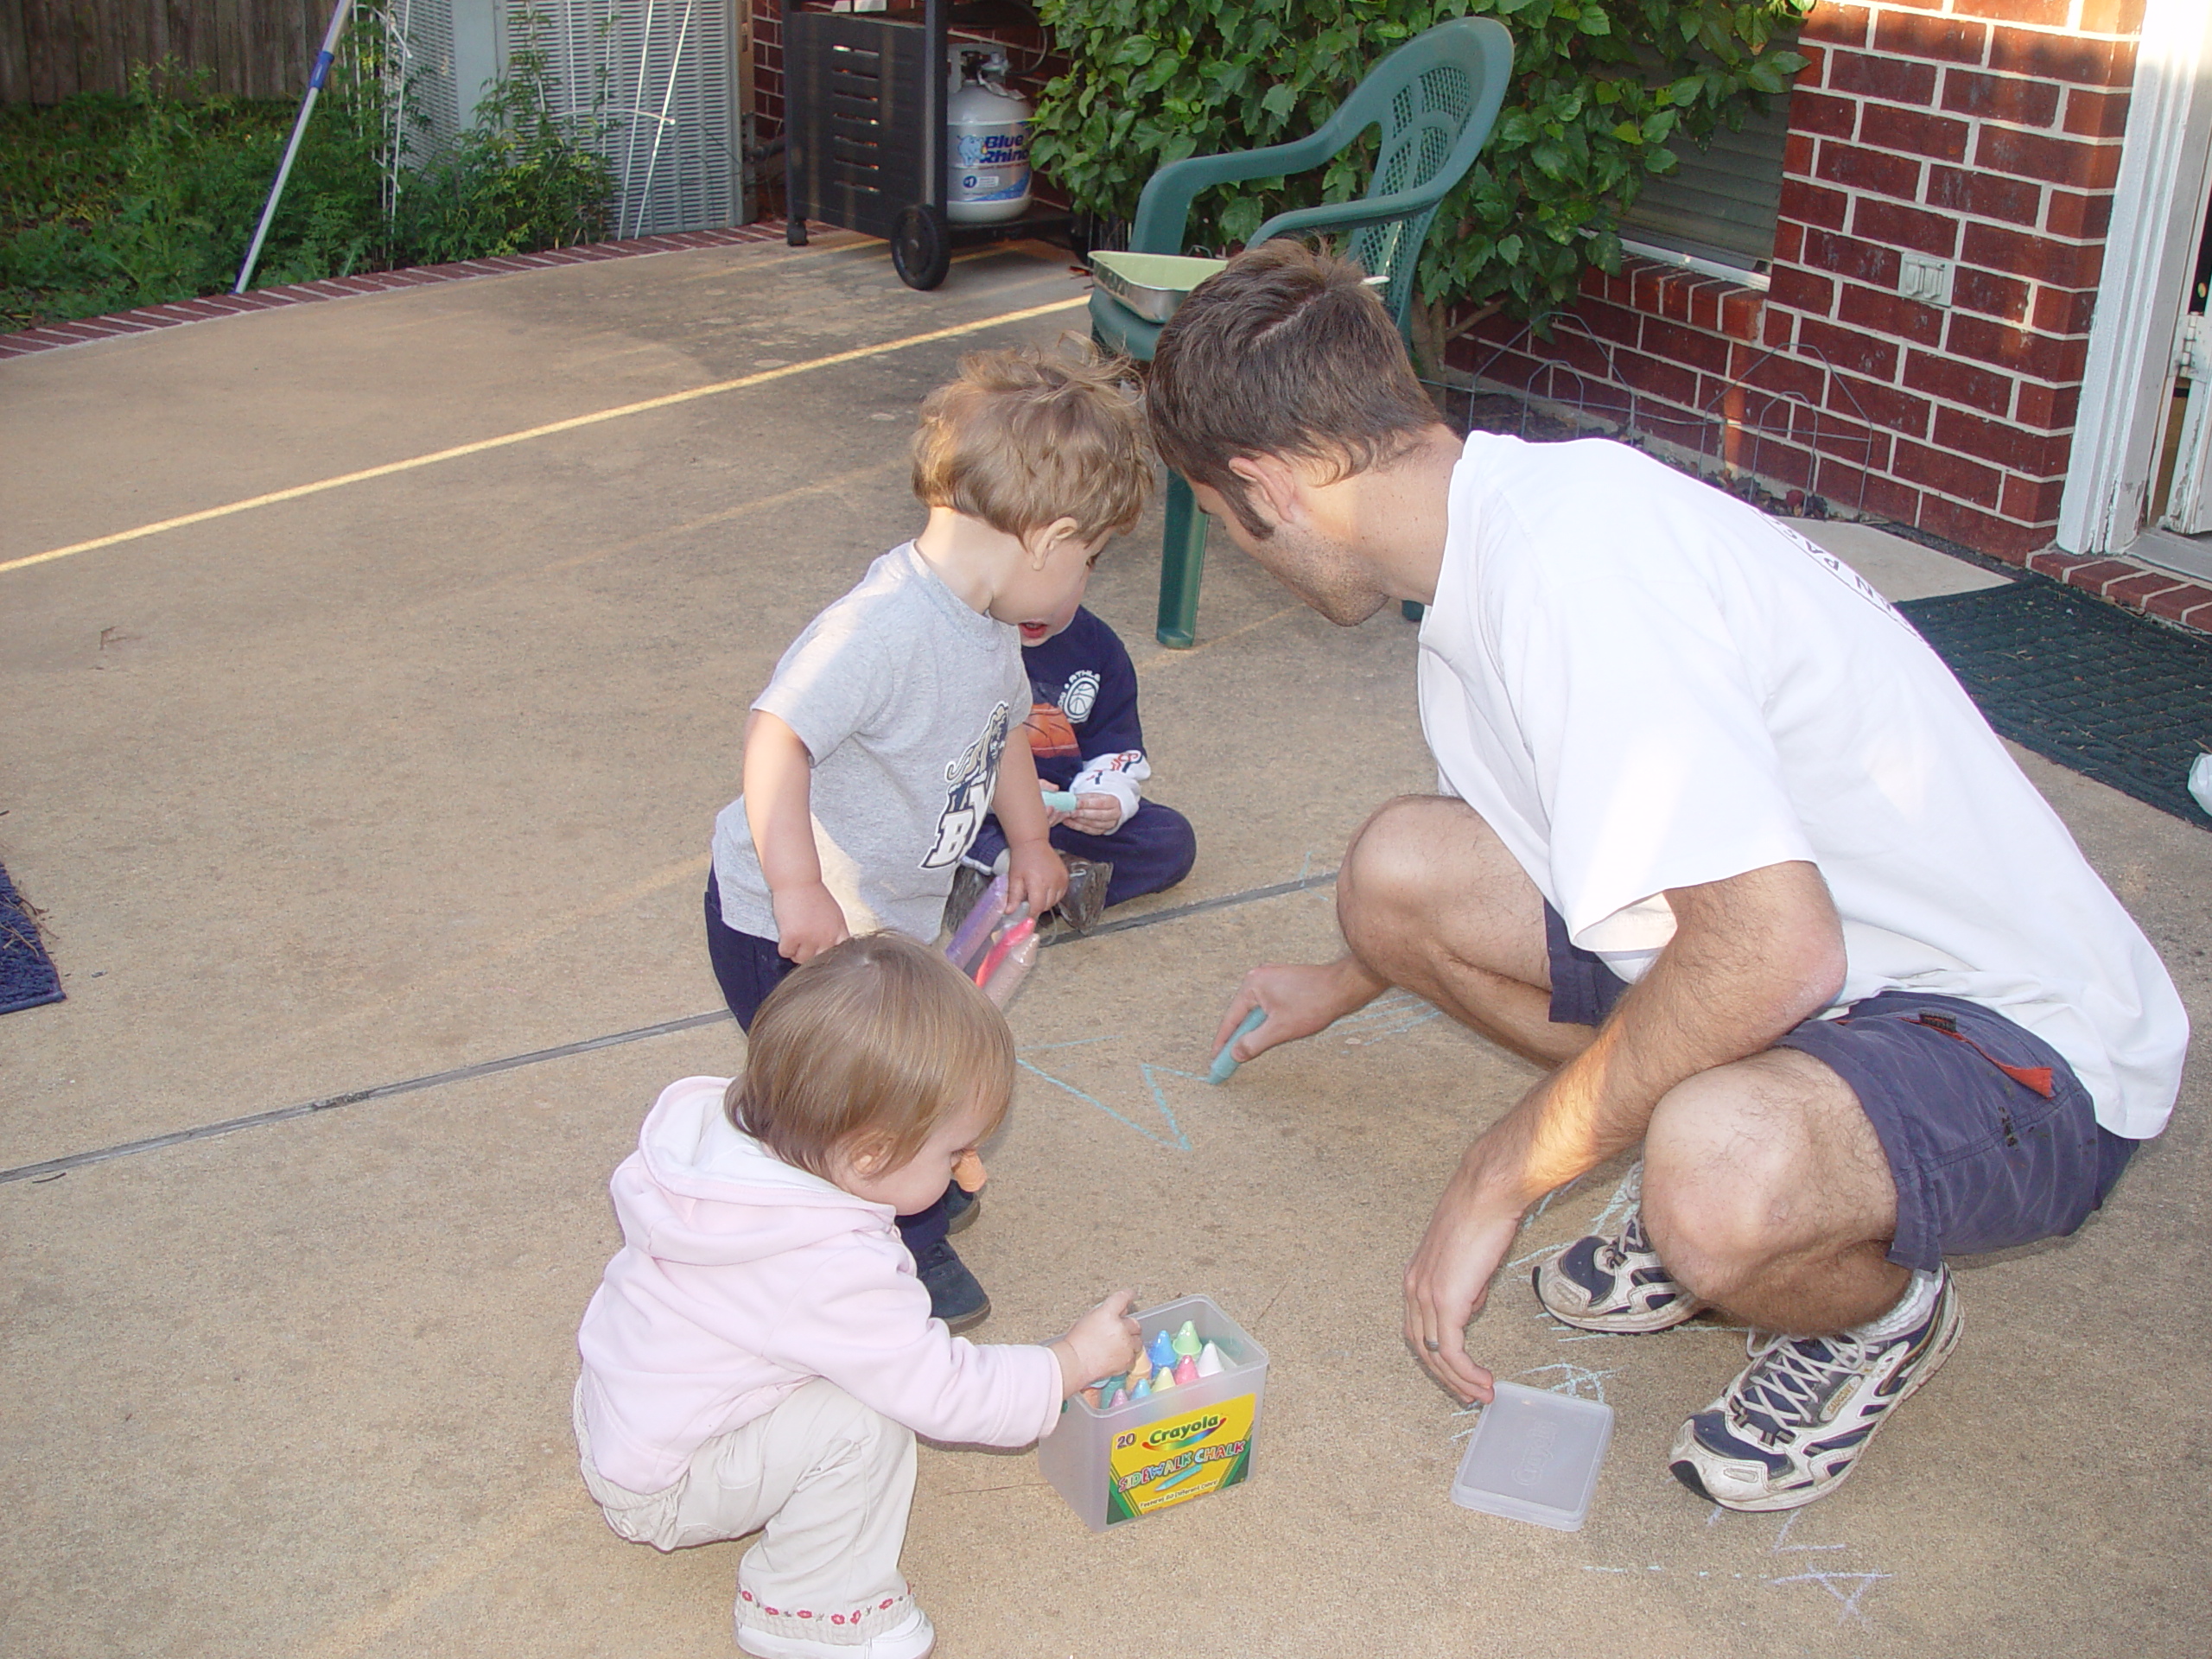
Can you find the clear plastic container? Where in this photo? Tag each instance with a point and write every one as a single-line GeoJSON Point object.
{"type": "Point", "coordinates": [1535, 1457]}
{"type": "Point", "coordinates": [1143, 1456]}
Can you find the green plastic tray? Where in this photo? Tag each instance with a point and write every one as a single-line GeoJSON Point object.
{"type": "Point", "coordinates": [1150, 284]}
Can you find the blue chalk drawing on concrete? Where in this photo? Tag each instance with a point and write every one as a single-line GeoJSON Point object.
{"type": "Point", "coordinates": [1174, 1141]}
{"type": "Point", "coordinates": [1848, 1589]}
{"type": "Point", "coordinates": [1387, 1016]}
{"type": "Point", "coordinates": [1576, 1382]}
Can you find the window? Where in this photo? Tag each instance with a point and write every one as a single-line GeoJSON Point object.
{"type": "Point", "coordinates": [1715, 212]}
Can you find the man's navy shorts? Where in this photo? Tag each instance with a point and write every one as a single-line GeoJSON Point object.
{"type": "Point", "coordinates": [1991, 1138]}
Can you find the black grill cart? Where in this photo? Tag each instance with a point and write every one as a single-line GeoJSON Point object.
{"type": "Point", "coordinates": [865, 144]}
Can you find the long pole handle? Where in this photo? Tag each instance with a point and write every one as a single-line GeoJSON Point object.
{"type": "Point", "coordinates": [316, 79]}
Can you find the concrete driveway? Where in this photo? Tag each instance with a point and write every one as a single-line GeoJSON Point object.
{"type": "Point", "coordinates": [410, 777]}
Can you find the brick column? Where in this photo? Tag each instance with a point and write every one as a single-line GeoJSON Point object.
{"type": "Point", "coordinates": [1981, 132]}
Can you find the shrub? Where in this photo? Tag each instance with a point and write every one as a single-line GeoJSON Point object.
{"type": "Point", "coordinates": [1604, 93]}
{"type": "Point", "coordinates": [110, 202]}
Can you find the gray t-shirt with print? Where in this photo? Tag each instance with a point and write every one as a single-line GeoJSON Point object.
{"type": "Point", "coordinates": [904, 695]}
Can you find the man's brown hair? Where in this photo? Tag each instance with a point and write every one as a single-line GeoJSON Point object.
{"type": "Point", "coordinates": [866, 1049]}
{"type": "Point", "coordinates": [1024, 437]}
{"type": "Point", "coordinates": [1288, 352]}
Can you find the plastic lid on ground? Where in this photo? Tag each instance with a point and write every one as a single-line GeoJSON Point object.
{"type": "Point", "coordinates": [1535, 1457]}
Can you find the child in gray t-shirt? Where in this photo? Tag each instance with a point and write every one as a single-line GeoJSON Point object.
{"type": "Point", "coordinates": [892, 726]}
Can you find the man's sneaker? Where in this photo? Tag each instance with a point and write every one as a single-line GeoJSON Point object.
{"type": "Point", "coordinates": [1791, 1425]}
{"type": "Point", "coordinates": [956, 1297]}
{"type": "Point", "coordinates": [1613, 1284]}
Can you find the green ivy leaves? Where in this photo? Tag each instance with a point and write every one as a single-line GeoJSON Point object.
{"type": "Point", "coordinates": [1605, 93]}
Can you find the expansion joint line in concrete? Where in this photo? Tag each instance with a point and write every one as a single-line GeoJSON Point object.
{"type": "Point", "coordinates": [53, 1166]}
{"type": "Point", "coordinates": [670, 400]}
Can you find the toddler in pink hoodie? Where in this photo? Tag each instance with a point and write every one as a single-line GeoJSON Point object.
{"type": "Point", "coordinates": [759, 1353]}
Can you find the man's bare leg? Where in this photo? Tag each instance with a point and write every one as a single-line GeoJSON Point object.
{"type": "Point", "coordinates": [1765, 1190]}
{"type": "Point", "coordinates": [1767, 1193]}
{"type": "Point", "coordinates": [1429, 899]}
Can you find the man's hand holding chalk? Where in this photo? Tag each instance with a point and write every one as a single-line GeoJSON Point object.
{"type": "Point", "coordinates": [1224, 1063]}
{"type": "Point", "coordinates": [1291, 1003]}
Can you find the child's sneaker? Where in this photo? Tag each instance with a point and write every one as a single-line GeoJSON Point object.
{"type": "Point", "coordinates": [913, 1638]}
{"type": "Point", "coordinates": [1791, 1425]}
{"type": "Point", "coordinates": [956, 1296]}
{"type": "Point", "coordinates": [1615, 1284]}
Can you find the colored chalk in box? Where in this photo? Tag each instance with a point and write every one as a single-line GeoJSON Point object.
{"type": "Point", "coordinates": [1177, 1425]}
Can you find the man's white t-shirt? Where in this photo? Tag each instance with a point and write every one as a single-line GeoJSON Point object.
{"type": "Point", "coordinates": [1642, 684]}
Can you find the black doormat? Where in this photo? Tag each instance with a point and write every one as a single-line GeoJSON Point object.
{"type": "Point", "coordinates": [27, 978]}
{"type": "Point", "coordinates": [2114, 696]}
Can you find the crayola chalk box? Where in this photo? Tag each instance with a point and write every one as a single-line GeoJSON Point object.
{"type": "Point", "coordinates": [1139, 1456]}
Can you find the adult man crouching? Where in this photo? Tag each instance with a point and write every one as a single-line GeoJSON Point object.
{"type": "Point", "coordinates": [1720, 841]}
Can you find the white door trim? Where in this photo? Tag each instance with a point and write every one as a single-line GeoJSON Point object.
{"type": "Point", "coordinates": [2150, 255]}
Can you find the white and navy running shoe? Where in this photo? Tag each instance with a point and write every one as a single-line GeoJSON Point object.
{"type": "Point", "coordinates": [1615, 1284]}
{"type": "Point", "coordinates": [1791, 1425]}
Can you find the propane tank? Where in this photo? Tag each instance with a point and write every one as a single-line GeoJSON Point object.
{"type": "Point", "coordinates": [988, 128]}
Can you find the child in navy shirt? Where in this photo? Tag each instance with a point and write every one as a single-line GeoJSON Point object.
{"type": "Point", "coordinates": [1084, 736]}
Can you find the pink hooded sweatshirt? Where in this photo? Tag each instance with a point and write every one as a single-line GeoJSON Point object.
{"type": "Point", "coordinates": [741, 1277]}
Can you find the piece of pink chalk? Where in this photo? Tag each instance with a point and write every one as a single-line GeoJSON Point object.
{"type": "Point", "coordinates": [1186, 1370]}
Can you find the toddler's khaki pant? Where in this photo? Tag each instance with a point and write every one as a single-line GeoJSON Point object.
{"type": "Point", "coordinates": [829, 1479]}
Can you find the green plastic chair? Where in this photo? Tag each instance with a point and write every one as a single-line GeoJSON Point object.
{"type": "Point", "coordinates": [1435, 100]}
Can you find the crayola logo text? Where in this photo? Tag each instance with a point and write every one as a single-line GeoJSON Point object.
{"type": "Point", "coordinates": [1175, 1433]}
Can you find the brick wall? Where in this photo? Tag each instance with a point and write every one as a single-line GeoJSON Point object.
{"type": "Point", "coordinates": [1984, 132]}
{"type": "Point", "coordinates": [767, 69]}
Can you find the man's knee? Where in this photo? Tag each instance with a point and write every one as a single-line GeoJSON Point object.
{"type": "Point", "coordinates": [1388, 879]}
{"type": "Point", "coordinates": [1749, 1162]}
{"type": "Point", "coordinates": [1707, 1182]}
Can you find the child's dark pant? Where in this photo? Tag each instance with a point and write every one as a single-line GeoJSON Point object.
{"type": "Point", "coordinates": [1151, 852]}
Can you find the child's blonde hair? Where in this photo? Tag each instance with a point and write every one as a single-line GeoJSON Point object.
{"type": "Point", "coordinates": [1026, 436]}
{"type": "Point", "coordinates": [866, 1049]}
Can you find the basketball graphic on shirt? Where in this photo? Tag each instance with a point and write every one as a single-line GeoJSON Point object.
{"type": "Point", "coordinates": [969, 779]}
{"type": "Point", "coordinates": [1051, 733]}
{"type": "Point", "coordinates": [1078, 694]}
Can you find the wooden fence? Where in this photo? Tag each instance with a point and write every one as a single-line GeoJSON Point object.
{"type": "Point", "coordinates": [258, 48]}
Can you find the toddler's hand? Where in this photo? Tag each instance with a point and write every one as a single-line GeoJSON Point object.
{"type": "Point", "coordinates": [1104, 1342]}
{"type": "Point", "coordinates": [1094, 815]}
{"type": "Point", "coordinates": [1034, 872]}
{"type": "Point", "coordinates": [809, 920]}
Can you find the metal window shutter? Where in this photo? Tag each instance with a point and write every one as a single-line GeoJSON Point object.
{"type": "Point", "coordinates": [1719, 202]}
{"type": "Point", "coordinates": [669, 72]}
{"type": "Point", "coordinates": [659, 76]}
{"type": "Point", "coordinates": [429, 106]}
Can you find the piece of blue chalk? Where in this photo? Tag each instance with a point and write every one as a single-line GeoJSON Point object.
{"type": "Point", "coordinates": [1061, 800]}
{"type": "Point", "coordinates": [1225, 1063]}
